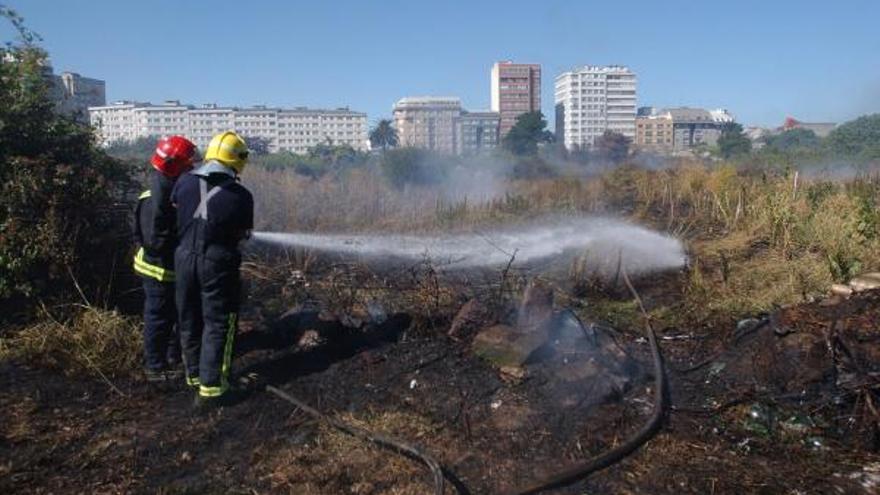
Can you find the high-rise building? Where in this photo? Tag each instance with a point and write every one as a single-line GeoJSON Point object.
{"type": "Point", "coordinates": [294, 130]}
{"type": "Point", "coordinates": [476, 132]}
{"type": "Point", "coordinates": [427, 122]}
{"type": "Point", "coordinates": [516, 89]}
{"type": "Point", "coordinates": [593, 99]}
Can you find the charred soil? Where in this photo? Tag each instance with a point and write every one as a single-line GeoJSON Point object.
{"type": "Point", "coordinates": [786, 403]}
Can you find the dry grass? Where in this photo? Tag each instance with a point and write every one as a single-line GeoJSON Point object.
{"type": "Point", "coordinates": [334, 462]}
{"type": "Point", "coordinates": [757, 240]}
{"type": "Point", "coordinates": [94, 341]}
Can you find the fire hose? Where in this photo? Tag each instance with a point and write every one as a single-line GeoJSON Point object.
{"type": "Point", "coordinates": [617, 454]}
{"type": "Point", "coordinates": [378, 439]}
{"type": "Point", "coordinates": [559, 480]}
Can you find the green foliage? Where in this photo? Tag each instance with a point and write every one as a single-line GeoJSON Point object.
{"type": "Point", "coordinates": [318, 161]}
{"type": "Point", "coordinates": [732, 141]}
{"type": "Point", "coordinates": [257, 146]}
{"type": "Point", "coordinates": [384, 135]}
{"type": "Point", "coordinates": [336, 157]}
{"type": "Point", "coordinates": [793, 139]}
{"type": "Point", "coordinates": [613, 146]}
{"type": "Point", "coordinates": [524, 136]}
{"type": "Point", "coordinates": [857, 138]}
{"type": "Point", "coordinates": [56, 186]}
{"type": "Point", "coordinates": [818, 191]}
{"type": "Point", "coordinates": [868, 219]}
{"type": "Point", "coordinates": [843, 268]}
{"type": "Point", "coordinates": [25, 35]}
{"type": "Point", "coordinates": [139, 150]}
{"type": "Point", "coordinates": [414, 166]}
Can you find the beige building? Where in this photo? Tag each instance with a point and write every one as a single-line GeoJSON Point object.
{"type": "Point", "coordinates": [516, 89]}
{"type": "Point", "coordinates": [654, 133]}
{"type": "Point", "coordinates": [427, 122]}
{"type": "Point", "coordinates": [295, 130]}
{"type": "Point", "coordinates": [679, 129]}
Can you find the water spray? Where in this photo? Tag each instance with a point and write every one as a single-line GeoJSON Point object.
{"type": "Point", "coordinates": [605, 244]}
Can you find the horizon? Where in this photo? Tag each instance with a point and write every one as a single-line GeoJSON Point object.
{"type": "Point", "coordinates": [333, 58]}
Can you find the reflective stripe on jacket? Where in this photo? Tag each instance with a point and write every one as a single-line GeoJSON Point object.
{"type": "Point", "coordinates": [148, 269]}
{"type": "Point", "coordinates": [155, 230]}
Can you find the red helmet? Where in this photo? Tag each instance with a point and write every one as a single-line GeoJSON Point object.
{"type": "Point", "coordinates": [174, 155]}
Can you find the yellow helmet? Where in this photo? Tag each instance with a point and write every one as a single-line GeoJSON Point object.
{"type": "Point", "coordinates": [229, 149]}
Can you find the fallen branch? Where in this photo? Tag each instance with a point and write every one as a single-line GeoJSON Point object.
{"type": "Point", "coordinates": [615, 455]}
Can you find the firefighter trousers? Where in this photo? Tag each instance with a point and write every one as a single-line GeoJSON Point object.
{"type": "Point", "coordinates": [161, 342]}
{"type": "Point", "coordinates": [208, 292]}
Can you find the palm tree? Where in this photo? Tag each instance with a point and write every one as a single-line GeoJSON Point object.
{"type": "Point", "coordinates": [384, 135]}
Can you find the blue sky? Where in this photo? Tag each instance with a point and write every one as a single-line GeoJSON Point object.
{"type": "Point", "coordinates": [763, 60]}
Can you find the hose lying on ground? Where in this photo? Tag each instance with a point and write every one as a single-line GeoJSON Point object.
{"type": "Point", "coordinates": [611, 457]}
{"type": "Point", "coordinates": [378, 439]}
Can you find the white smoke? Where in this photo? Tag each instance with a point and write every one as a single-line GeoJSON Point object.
{"type": "Point", "coordinates": [605, 243]}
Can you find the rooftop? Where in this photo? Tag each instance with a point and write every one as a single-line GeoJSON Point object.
{"type": "Point", "coordinates": [213, 107]}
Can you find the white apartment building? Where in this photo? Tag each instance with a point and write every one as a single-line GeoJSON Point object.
{"type": "Point", "coordinates": [116, 122]}
{"type": "Point", "coordinates": [593, 99]}
{"type": "Point", "coordinates": [207, 121]}
{"type": "Point", "coordinates": [295, 130]}
{"type": "Point", "coordinates": [427, 122]}
{"type": "Point", "coordinates": [162, 120]}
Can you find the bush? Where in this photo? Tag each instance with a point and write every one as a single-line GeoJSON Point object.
{"type": "Point", "coordinates": [60, 209]}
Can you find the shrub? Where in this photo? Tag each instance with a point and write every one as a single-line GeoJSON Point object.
{"type": "Point", "coordinates": [59, 191]}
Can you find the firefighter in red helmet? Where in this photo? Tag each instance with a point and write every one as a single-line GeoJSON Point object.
{"type": "Point", "coordinates": [155, 230]}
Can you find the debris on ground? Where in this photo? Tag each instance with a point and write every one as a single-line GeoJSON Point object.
{"type": "Point", "coordinates": [787, 403]}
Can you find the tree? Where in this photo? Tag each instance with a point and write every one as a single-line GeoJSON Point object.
{"type": "Point", "coordinates": [414, 166]}
{"type": "Point", "coordinates": [334, 156]}
{"type": "Point", "coordinates": [613, 146]}
{"type": "Point", "coordinates": [793, 139]}
{"type": "Point", "coordinates": [58, 188]}
{"type": "Point", "coordinates": [384, 135]}
{"type": "Point", "coordinates": [856, 137]}
{"type": "Point", "coordinates": [524, 136]}
{"type": "Point", "coordinates": [138, 150]}
{"type": "Point", "coordinates": [733, 141]}
{"type": "Point", "coordinates": [257, 145]}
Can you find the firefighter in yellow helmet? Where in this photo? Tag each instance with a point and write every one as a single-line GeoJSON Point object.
{"type": "Point", "coordinates": [214, 214]}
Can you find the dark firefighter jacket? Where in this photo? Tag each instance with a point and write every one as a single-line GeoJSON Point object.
{"type": "Point", "coordinates": [214, 211]}
{"type": "Point", "coordinates": [155, 230]}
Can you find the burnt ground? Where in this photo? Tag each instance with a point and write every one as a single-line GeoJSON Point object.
{"type": "Point", "coordinates": [782, 405]}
